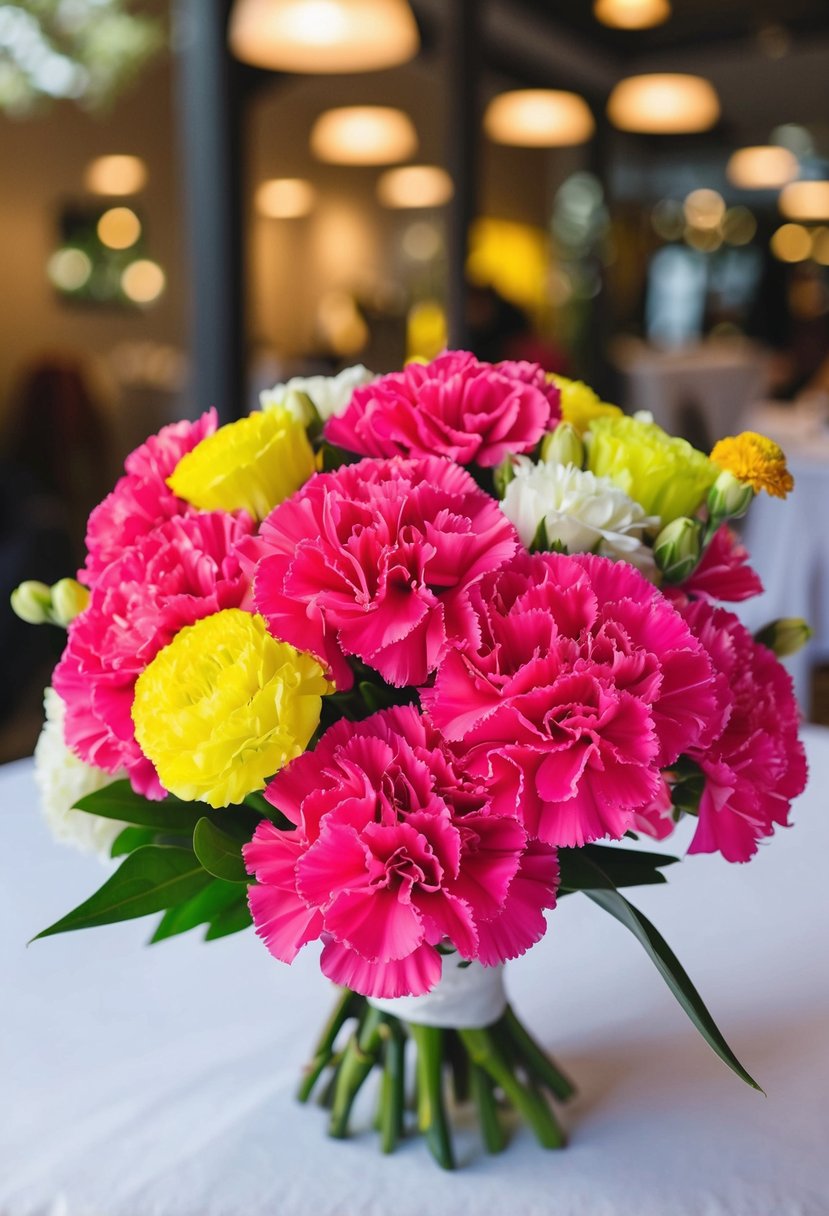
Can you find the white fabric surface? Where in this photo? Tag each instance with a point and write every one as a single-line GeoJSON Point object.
{"type": "Point", "coordinates": [715, 380]}
{"type": "Point", "coordinates": [158, 1082]}
{"type": "Point", "coordinates": [789, 541]}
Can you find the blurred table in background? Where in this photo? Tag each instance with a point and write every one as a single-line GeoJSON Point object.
{"type": "Point", "coordinates": [789, 541]}
{"type": "Point", "coordinates": [699, 392]}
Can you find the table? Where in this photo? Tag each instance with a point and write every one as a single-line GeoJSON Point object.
{"type": "Point", "coordinates": [789, 541]}
{"type": "Point", "coordinates": [698, 391]}
{"type": "Point", "coordinates": [159, 1082]}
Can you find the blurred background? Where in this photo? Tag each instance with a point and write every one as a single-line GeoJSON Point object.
{"type": "Point", "coordinates": [201, 198]}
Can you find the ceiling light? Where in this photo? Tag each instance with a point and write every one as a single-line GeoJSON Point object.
{"type": "Point", "coordinates": [791, 243]}
{"type": "Point", "coordinates": [704, 209]}
{"type": "Point", "coordinates": [285, 198]}
{"type": "Point", "coordinates": [631, 14]}
{"type": "Point", "coordinates": [820, 246]}
{"type": "Point", "coordinates": [323, 35]}
{"type": "Point", "coordinates": [415, 186]}
{"type": "Point", "coordinates": [762, 167]}
{"type": "Point", "coordinates": [115, 175]}
{"type": "Point", "coordinates": [539, 118]}
{"type": "Point", "coordinates": [664, 104]}
{"type": "Point", "coordinates": [143, 281]}
{"type": "Point", "coordinates": [363, 135]}
{"type": "Point", "coordinates": [119, 228]}
{"type": "Point", "coordinates": [807, 200]}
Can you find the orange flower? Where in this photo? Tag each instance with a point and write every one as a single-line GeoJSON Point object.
{"type": "Point", "coordinates": [756, 461]}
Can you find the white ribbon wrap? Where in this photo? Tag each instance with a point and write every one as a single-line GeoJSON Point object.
{"type": "Point", "coordinates": [471, 997]}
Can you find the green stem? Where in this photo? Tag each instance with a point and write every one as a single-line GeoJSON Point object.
{"type": "Point", "coordinates": [459, 1063]}
{"type": "Point", "coordinates": [535, 1059]}
{"type": "Point", "coordinates": [431, 1111]}
{"type": "Point", "coordinates": [392, 1086]}
{"type": "Point", "coordinates": [359, 1058]}
{"type": "Point", "coordinates": [483, 1094]}
{"type": "Point", "coordinates": [485, 1052]}
{"type": "Point", "coordinates": [347, 1006]}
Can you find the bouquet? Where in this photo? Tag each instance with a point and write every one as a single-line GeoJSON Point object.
{"type": "Point", "coordinates": [394, 665]}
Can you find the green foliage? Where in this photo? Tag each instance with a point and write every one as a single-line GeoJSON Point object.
{"type": "Point", "coordinates": [603, 892]}
{"type": "Point", "coordinates": [207, 907]}
{"type": "Point", "coordinates": [219, 849]}
{"type": "Point", "coordinates": [131, 839]}
{"type": "Point", "coordinates": [151, 879]}
{"type": "Point", "coordinates": [120, 801]}
{"type": "Point", "coordinates": [621, 867]}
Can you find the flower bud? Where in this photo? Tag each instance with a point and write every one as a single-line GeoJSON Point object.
{"type": "Point", "coordinates": [729, 498]}
{"type": "Point", "coordinates": [32, 602]}
{"type": "Point", "coordinates": [678, 548]}
{"type": "Point", "coordinates": [69, 598]}
{"type": "Point", "coordinates": [563, 446]}
{"type": "Point", "coordinates": [502, 475]}
{"type": "Point", "coordinates": [784, 636]}
{"type": "Point", "coordinates": [301, 406]}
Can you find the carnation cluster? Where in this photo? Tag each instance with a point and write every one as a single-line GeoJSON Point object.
{"type": "Point", "coordinates": [399, 707]}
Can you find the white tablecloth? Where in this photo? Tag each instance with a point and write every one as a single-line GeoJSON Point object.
{"type": "Point", "coordinates": [158, 1082]}
{"type": "Point", "coordinates": [701, 389]}
{"type": "Point", "coordinates": [789, 541]}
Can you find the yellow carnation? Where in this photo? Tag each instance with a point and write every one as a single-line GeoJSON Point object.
{"type": "Point", "coordinates": [756, 461]}
{"type": "Point", "coordinates": [662, 473]}
{"type": "Point", "coordinates": [225, 706]}
{"type": "Point", "coordinates": [253, 464]}
{"type": "Point", "coordinates": [580, 405]}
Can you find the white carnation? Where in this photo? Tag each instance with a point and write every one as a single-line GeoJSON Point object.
{"type": "Point", "coordinates": [329, 395]}
{"type": "Point", "coordinates": [62, 779]}
{"type": "Point", "coordinates": [582, 512]}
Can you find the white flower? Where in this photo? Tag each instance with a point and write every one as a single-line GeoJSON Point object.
{"type": "Point", "coordinates": [328, 395]}
{"type": "Point", "coordinates": [62, 779]}
{"type": "Point", "coordinates": [582, 512]}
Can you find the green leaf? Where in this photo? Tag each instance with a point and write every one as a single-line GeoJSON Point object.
{"type": "Point", "coordinates": [204, 907]}
{"type": "Point", "coordinates": [232, 920]}
{"type": "Point", "coordinates": [120, 801]}
{"type": "Point", "coordinates": [131, 839]}
{"type": "Point", "coordinates": [671, 971]}
{"type": "Point", "coordinates": [151, 879]}
{"type": "Point", "coordinates": [596, 866]}
{"type": "Point", "coordinates": [540, 542]}
{"type": "Point", "coordinates": [257, 802]}
{"type": "Point", "coordinates": [220, 851]}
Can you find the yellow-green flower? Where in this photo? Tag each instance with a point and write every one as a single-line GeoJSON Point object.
{"type": "Point", "coordinates": [580, 404]}
{"type": "Point", "coordinates": [253, 464]}
{"type": "Point", "coordinates": [664, 474]}
{"type": "Point", "coordinates": [756, 461]}
{"type": "Point", "coordinates": [225, 706]}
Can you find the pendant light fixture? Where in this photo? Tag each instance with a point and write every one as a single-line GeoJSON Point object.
{"type": "Point", "coordinates": [631, 14]}
{"type": "Point", "coordinates": [761, 167]}
{"type": "Point", "coordinates": [664, 103]}
{"type": "Point", "coordinates": [807, 201]}
{"type": "Point", "coordinates": [415, 186]}
{"type": "Point", "coordinates": [539, 118]}
{"type": "Point", "coordinates": [321, 36]}
{"type": "Point", "coordinates": [363, 135]}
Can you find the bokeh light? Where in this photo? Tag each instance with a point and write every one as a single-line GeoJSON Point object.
{"type": "Point", "coordinates": [119, 228]}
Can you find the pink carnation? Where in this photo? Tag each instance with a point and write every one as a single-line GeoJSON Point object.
{"type": "Point", "coordinates": [377, 560]}
{"type": "Point", "coordinates": [586, 683]}
{"type": "Point", "coordinates": [454, 407]}
{"type": "Point", "coordinates": [184, 570]}
{"type": "Point", "coordinates": [757, 764]}
{"type": "Point", "coordinates": [722, 574]}
{"type": "Point", "coordinates": [395, 851]}
{"type": "Point", "coordinates": [141, 499]}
